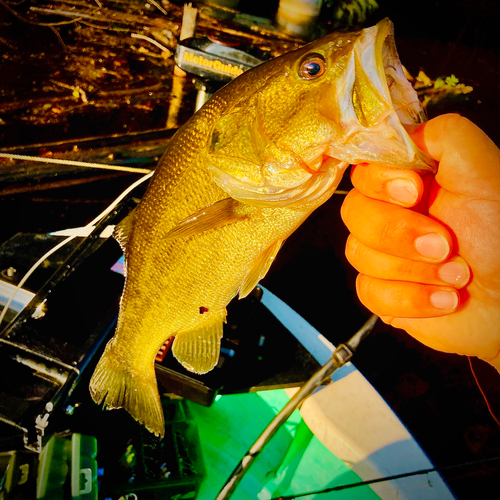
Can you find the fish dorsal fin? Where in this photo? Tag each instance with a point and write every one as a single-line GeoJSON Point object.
{"type": "Point", "coordinates": [124, 229]}
{"type": "Point", "coordinates": [218, 214]}
{"type": "Point", "coordinates": [198, 350]}
{"type": "Point", "coordinates": [259, 269]}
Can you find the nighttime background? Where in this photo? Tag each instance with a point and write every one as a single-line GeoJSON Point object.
{"type": "Point", "coordinates": [46, 70]}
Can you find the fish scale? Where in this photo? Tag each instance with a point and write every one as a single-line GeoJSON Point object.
{"type": "Point", "coordinates": [233, 184]}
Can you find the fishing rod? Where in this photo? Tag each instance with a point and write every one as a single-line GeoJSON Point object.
{"type": "Point", "coordinates": [342, 354]}
{"type": "Point", "coordinates": [387, 478]}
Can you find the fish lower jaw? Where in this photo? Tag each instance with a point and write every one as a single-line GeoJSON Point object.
{"type": "Point", "coordinates": [387, 142]}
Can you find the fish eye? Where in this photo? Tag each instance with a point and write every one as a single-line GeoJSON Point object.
{"type": "Point", "coordinates": [313, 66]}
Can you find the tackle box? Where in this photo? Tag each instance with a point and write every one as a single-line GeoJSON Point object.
{"type": "Point", "coordinates": [155, 469]}
{"type": "Point", "coordinates": [68, 469]}
{"type": "Point", "coordinates": [18, 475]}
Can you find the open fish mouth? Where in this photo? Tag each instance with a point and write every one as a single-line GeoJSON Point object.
{"type": "Point", "coordinates": [377, 104]}
{"type": "Point", "coordinates": [389, 77]}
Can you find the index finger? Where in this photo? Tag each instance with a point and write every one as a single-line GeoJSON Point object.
{"type": "Point", "coordinates": [395, 230]}
{"type": "Point", "coordinates": [393, 185]}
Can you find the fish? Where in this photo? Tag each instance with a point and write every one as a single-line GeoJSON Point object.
{"type": "Point", "coordinates": [236, 180]}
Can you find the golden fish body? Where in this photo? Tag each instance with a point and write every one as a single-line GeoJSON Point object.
{"type": "Point", "coordinates": [237, 179]}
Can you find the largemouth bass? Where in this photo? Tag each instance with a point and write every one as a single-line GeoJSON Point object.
{"type": "Point", "coordinates": [236, 180]}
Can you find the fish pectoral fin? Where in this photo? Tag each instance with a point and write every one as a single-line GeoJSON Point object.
{"type": "Point", "coordinates": [219, 214]}
{"type": "Point", "coordinates": [123, 230]}
{"type": "Point", "coordinates": [259, 269]}
{"type": "Point", "coordinates": [198, 350]}
{"type": "Point", "coordinates": [115, 384]}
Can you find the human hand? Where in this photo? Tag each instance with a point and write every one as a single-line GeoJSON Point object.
{"type": "Point", "coordinates": [428, 247]}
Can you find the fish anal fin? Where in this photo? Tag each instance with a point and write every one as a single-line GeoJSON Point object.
{"type": "Point", "coordinates": [259, 269]}
{"type": "Point", "coordinates": [219, 214]}
{"type": "Point", "coordinates": [123, 230]}
{"type": "Point", "coordinates": [115, 385]}
{"type": "Point", "coordinates": [198, 350]}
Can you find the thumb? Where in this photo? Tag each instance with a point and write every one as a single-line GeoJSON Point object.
{"type": "Point", "coordinates": [469, 162]}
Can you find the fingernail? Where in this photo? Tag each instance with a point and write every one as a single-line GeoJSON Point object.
{"type": "Point", "coordinates": [403, 191]}
{"type": "Point", "coordinates": [444, 300]}
{"type": "Point", "coordinates": [434, 246]}
{"type": "Point", "coordinates": [454, 273]}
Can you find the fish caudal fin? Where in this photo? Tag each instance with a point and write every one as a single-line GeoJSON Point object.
{"type": "Point", "coordinates": [115, 385]}
{"type": "Point", "coordinates": [198, 350]}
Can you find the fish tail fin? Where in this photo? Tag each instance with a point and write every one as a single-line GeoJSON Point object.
{"type": "Point", "coordinates": [115, 385]}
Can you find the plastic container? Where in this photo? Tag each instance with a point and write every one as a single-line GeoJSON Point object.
{"type": "Point", "coordinates": [156, 469]}
{"type": "Point", "coordinates": [68, 464]}
{"type": "Point", "coordinates": [18, 475]}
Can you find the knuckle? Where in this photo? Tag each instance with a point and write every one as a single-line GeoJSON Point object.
{"type": "Point", "coordinates": [385, 234]}
{"type": "Point", "coordinates": [345, 209]}
{"type": "Point", "coordinates": [452, 121]}
{"type": "Point", "coordinates": [409, 270]}
{"type": "Point", "coordinates": [365, 287]}
{"type": "Point", "coordinates": [352, 250]}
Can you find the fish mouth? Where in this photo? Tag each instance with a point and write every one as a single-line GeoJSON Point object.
{"type": "Point", "coordinates": [378, 105]}
{"type": "Point", "coordinates": [392, 76]}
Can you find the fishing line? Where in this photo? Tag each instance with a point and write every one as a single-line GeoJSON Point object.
{"type": "Point", "coordinates": [482, 392]}
{"type": "Point", "coordinates": [77, 233]}
{"type": "Point", "coordinates": [387, 478]}
{"type": "Point", "coordinates": [59, 161]}
{"type": "Point", "coordinates": [407, 474]}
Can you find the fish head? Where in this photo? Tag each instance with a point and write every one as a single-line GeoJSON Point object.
{"type": "Point", "coordinates": [295, 123]}
{"type": "Point", "coordinates": [371, 104]}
